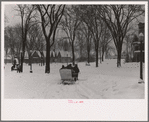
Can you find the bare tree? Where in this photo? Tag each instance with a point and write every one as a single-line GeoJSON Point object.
{"type": "Point", "coordinates": [6, 41]}
{"type": "Point", "coordinates": [87, 36]}
{"type": "Point", "coordinates": [95, 25]}
{"type": "Point", "coordinates": [40, 44]}
{"type": "Point", "coordinates": [105, 40]}
{"type": "Point", "coordinates": [80, 43]}
{"type": "Point", "coordinates": [12, 40]}
{"type": "Point", "coordinates": [70, 24]}
{"type": "Point", "coordinates": [62, 44]}
{"type": "Point", "coordinates": [117, 19]}
{"type": "Point", "coordinates": [18, 36]}
{"type": "Point", "coordinates": [31, 40]}
{"type": "Point", "coordinates": [28, 18]}
{"type": "Point", "coordinates": [110, 50]}
{"type": "Point", "coordinates": [35, 40]}
{"type": "Point", "coordinates": [50, 17]}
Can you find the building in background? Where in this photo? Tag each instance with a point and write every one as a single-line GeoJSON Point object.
{"type": "Point", "coordinates": [136, 44]}
{"type": "Point", "coordinates": [63, 57]}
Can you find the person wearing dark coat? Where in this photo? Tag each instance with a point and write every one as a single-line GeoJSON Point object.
{"type": "Point", "coordinates": [69, 66]}
{"type": "Point", "coordinates": [76, 71]}
{"type": "Point", "coordinates": [72, 71]}
{"type": "Point", "coordinates": [63, 67]}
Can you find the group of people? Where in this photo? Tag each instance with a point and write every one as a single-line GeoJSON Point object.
{"type": "Point", "coordinates": [74, 68]}
{"type": "Point", "coordinates": [16, 65]}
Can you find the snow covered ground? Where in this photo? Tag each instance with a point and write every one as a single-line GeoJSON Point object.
{"type": "Point", "coordinates": [105, 82]}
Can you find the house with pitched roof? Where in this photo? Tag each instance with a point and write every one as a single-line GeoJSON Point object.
{"type": "Point", "coordinates": [35, 56]}
{"type": "Point", "coordinates": [55, 56]}
{"type": "Point", "coordinates": [58, 56]}
{"type": "Point", "coordinates": [63, 57]}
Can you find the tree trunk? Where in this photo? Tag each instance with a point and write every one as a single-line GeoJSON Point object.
{"type": "Point", "coordinates": [97, 51]}
{"type": "Point", "coordinates": [22, 44]}
{"type": "Point", "coordinates": [47, 69]}
{"type": "Point", "coordinates": [6, 57]}
{"type": "Point", "coordinates": [73, 55]}
{"type": "Point", "coordinates": [88, 52]}
{"type": "Point", "coordinates": [127, 55]}
{"type": "Point", "coordinates": [29, 60]}
{"type": "Point", "coordinates": [88, 56]}
{"type": "Point", "coordinates": [96, 57]}
{"type": "Point", "coordinates": [22, 55]}
{"type": "Point", "coordinates": [100, 55]}
{"type": "Point", "coordinates": [119, 58]}
{"type": "Point", "coordinates": [103, 53]}
{"type": "Point", "coordinates": [21, 61]}
{"type": "Point", "coordinates": [6, 60]}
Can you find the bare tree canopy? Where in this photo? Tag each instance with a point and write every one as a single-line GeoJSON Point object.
{"type": "Point", "coordinates": [70, 24]}
{"type": "Point", "coordinates": [82, 28]}
{"type": "Point", "coordinates": [50, 16]}
{"type": "Point", "coordinates": [117, 19]}
{"type": "Point", "coordinates": [88, 14]}
{"type": "Point", "coordinates": [28, 18]}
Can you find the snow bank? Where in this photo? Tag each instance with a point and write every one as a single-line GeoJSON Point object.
{"type": "Point", "coordinates": [105, 82]}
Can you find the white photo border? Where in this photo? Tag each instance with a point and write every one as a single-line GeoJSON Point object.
{"type": "Point", "coordinates": [60, 109]}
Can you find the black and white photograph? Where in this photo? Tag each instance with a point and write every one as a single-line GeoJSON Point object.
{"type": "Point", "coordinates": [74, 52]}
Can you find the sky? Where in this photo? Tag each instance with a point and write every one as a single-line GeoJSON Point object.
{"type": "Point", "coordinates": [14, 19]}
{"type": "Point", "coordinates": [11, 14]}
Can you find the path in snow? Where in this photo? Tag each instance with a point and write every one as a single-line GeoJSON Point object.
{"type": "Point", "coordinates": [105, 82]}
